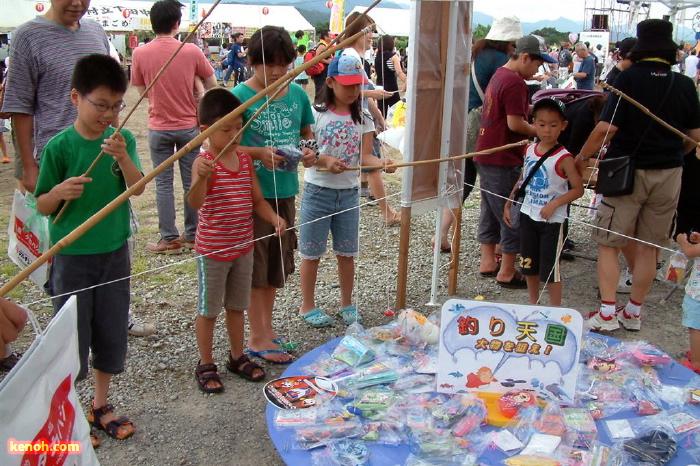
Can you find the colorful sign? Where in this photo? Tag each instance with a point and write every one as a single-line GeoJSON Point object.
{"type": "Point", "coordinates": [337, 16]}
{"type": "Point", "coordinates": [120, 18]}
{"type": "Point", "coordinates": [496, 347]}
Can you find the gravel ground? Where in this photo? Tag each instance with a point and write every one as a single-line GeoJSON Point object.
{"type": "Point", "coordinates": [177, 424]}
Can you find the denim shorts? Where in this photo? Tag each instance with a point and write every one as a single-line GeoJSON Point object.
{"type": "Point", "coordinates": [691, 313]}
{"type": "Point", "coordinates": [328, 210]}
{"type": "Point", "coordinates": [103, 311]}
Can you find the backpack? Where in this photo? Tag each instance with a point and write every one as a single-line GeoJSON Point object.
{"type": "Point", "coordinates": [317, 68]}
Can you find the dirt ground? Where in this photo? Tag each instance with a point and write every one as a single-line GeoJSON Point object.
{"type": "Point", "coordinates": [177, 424]}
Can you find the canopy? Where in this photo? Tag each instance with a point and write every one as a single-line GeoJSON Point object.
{"type": "Point", "coordinates": [392, 21]}
{"type": "Point", "coordinates": [126, 16]}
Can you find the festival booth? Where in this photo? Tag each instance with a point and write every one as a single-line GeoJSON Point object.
{"type": "Point", "coordinates": [122, 18]}
{"type": "Point", "coordinates": [391, 21]}
{"type": "Point", "coordinates": [485, 383]}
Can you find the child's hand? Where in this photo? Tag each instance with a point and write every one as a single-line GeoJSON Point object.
{"type": "Point", "coordinates": [334, 165]}
{"type": "Point", "coordinates": [308, 157]}
{"type": "Point", "coordinates": [72, 188]}
{"type": "Point", "coordinates": [547, 211]}
{"type": "Point", "coordinates": [682, 240]}
{"type": "Point", "coordinates": [506, 213]}
{"type": "Point", "coordinates": [389, 166]}
{"type": "Point", "coordinates": [694, 237]}
{"type": "Point", "coordinates": [203, 167]}
{"type": "Point", "coordinates": [270, 158]}
{"type": "Point", "coordinates": [116, 147]}
{"type": "Point", "coordinates": [280, 226]}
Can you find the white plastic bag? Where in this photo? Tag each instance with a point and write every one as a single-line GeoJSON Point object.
{"type": "Point", "coordinates": [29, 236]}
{"type": "Point", "coordinates": [39, 401]}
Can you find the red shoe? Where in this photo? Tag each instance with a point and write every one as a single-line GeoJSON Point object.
{"type": "Point", "coordinates": [690, 365]}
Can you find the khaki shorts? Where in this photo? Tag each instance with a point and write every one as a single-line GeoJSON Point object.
{"type": "Point", "coordinates": [272, 266]}
{"type": "Point", "coordinates": [647, 214]}
{"type": "Point", "coordinates": [224, 284]}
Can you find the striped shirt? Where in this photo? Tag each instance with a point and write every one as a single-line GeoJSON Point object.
{"type": "Point", "coordinates": [43, 56]}
{"type": "Point", "coordinates": [225, 229]}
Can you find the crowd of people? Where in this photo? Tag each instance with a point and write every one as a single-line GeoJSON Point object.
{"type": "Point", "coordinates": [240, 212]}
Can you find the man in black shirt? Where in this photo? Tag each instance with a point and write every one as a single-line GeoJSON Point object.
{"type": "Point", "coordinates": [647, 213]}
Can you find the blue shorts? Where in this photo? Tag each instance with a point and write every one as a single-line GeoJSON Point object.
{"type": "Point", "coordinates": [691, 313]}
{"type": "Point", "coordinates": [328, 210]}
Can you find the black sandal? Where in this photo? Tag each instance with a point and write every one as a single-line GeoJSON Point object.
{"type": "Point", "coordinates": [112, 427]}
{"type": "Point", "coordinates": [245, 368]}
{"type": "Point", "coordinates": [8, 363]}
{"type": "Point", "coordinates": [206, 372]}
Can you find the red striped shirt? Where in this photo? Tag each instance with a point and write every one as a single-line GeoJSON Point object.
{"type": "Point", "coordinates": [225, 229]}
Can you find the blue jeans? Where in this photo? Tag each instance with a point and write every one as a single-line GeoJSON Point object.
{"type": "Point", "coordinates": [320, 204]}
{"type": "Point", "coordinates": [163, 144]}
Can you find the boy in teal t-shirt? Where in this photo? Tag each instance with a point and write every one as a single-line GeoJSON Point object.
{"type": "Point", "coordinates": [100, 258]}
{"type": "Point", "coordinates": [285, 121]}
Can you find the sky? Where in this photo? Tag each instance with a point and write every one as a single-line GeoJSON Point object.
{"type": "Point", "coordinates": [531, 11]}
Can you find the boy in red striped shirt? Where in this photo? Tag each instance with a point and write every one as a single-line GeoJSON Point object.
{"type": "Point", "coordinates": [226, 199]}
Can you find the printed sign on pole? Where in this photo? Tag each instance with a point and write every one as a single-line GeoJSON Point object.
{"type": "Point", "coordinates": [194, 7]}
{"type": "Point", "coordinates": [496, 347]}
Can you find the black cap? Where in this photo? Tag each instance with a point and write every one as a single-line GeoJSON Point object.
{"type": "Point", "coordinates": [551, 103]}
{"type": "Point", "coordinates": [626, 45]}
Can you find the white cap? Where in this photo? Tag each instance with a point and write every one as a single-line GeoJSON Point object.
{"type": "Point", "coordinates": [507, 29]}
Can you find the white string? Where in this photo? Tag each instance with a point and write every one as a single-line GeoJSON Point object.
{"type": "Point", "coordinates": [156, 269]}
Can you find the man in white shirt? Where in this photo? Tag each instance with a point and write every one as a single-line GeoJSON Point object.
{"type": "Point", "coordinates": [691, 66]}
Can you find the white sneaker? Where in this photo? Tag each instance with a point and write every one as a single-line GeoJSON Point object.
{"type": "Point", "coordinates": [596, 322]}
{"type": "Point", "coordinates": [625, 283]}
{"type": "Point", "coordinates": [140, 329]}
{"type": "Point", "coordinates": [631, 323]}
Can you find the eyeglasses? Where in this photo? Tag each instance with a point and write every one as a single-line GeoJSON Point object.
{"type": "Point", "coordinates": [102, 108]}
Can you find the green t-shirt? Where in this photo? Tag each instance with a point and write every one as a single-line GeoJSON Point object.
{"type": "Point", "coordinates": [68, 154]}
{"type": "Point", "coordinates": [278, 125]}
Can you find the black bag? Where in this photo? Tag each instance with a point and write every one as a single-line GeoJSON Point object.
{"type": "Point", "coordinates": [615, 176]}
{"type": "Point", "coordinates": [519, 195]}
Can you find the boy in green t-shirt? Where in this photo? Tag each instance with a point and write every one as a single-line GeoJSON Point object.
{"type": "Point", "coordinates": [285, 121]}
{"type": "Point", "coordinates": [99, 258]}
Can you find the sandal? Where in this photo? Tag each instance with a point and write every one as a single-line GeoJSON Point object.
{"type": "Point", "coordinates": [393, 220]}
{"type": "Point", "coordinates": [93, 438]}
{"type": "Point", "coordinates": [206, 372]}
{"type": "Point", "coordinates": [245, 368]}
{"type": "Point", "coordinates": [350, 314]}
{"type": "Point", "coordinates": [317, 318]}
{"type": "Point", "coordinates": [285, 345]}
{"type": "Point", "coordinates": [8, 363]}
{"type": "Point", "coordinates": [112, 427]}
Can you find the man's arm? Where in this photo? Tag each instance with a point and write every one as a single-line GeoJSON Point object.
{"type": "Point", "coordinates": [518, 124]}
{"type": "Point", "coordinates": [694, 134]}
{"type": "Point", "coordinates": [24, 130]}
{"type": "Point", "coordinates": [601, 134]}
{"type": "Point", "coordinates": [210, 82]}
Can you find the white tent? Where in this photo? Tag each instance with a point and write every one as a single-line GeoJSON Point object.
{"type": "Point", "coordinates": [117, 15]}
{"type": "Point", "coordinates": [392, 21]}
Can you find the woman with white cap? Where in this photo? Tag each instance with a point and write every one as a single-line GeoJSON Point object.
{"type": "Point", "coordinates": [488, 55]}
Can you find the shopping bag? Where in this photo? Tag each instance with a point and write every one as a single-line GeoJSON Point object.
{"type": "Point", "coordinates": [40, 406]}
{"type": "Point", "coordinates": [29, 236]}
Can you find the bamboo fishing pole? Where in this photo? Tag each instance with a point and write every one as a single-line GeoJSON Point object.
{"type": "Point", "coordinates": [140, 99]}
{"type": "Point", "coordinates": [274, 96]}
{"type": "Point", "coordinates": [445, 159]}
{"type": "Point", "coordinates": [195, 142]}
{"type": "Point", "coordinates": [646, 111]}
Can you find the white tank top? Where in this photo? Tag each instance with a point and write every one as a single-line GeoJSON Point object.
{"type": "Point", "coordinates": [548, 183]}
